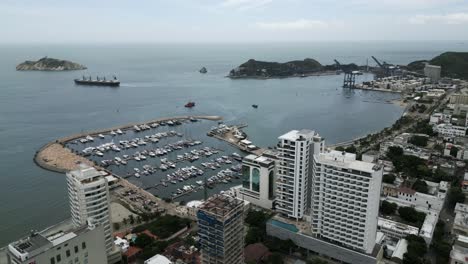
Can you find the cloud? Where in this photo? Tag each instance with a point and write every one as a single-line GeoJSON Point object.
{"type": "Point", "coordinates": [450, 19]}
{"type": "Point", "coordinates": [300, 24]}
{"type": "Point", "coordinates": [245, 4]}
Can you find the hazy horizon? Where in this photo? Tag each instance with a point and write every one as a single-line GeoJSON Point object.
{"type": "Point", "coordinates": [231, 21]}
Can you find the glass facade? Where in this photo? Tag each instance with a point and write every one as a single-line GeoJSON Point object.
{"type": "Point", "coordinates": [246, 176]}
{"type": "Point", "coordinates": [270, 185]}
{"type": "Point", "coordinates": [255, 180]}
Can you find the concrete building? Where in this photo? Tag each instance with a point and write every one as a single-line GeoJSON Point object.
{"type": "Point", "coordinates": [345, 200]}
{"type": "Point", "coordinates": [158, 259]}
{"type": "Point", "coordinates": [459, 99]}
{"type": "Point", "coordinates": [459, 253]}
{"type": "Point", "coordinates": [88, 193]}
{"type": "Point", "coordinates": [221, 230]}
{"type": "Point", "coordinates": [84, 244]}
{"type": "Point", "coordinates": [432, 72]}
{"type": "Point", "coordinates": [440, 118]}
{"type": "Point", "coordinates": [449, 131]}
{"type": "Point", "coordinates": [460, 223]}
{"type": "Point", "coordinates": [396, 230]}
{"type": "Point", "coordinates": [318, 246]}
{"type": "Point", "coordinates": [296, 150]}
{"type": "Point", "coordinates": [258, 180]}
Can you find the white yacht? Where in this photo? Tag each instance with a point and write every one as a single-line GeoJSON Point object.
{"type": "Point", "coordinates": [101, 136]}
{"type": "Point", "coordinates": [136, 128]}
{"type": "Point", "coordinates": [113, 133]}
{"type": "Point", "coordinates": [89, 138]}
{"type": "Point", "coordinates": [119, 131]}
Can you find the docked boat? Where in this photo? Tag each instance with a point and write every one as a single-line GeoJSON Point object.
{"type": "Point", "coordinates": [101, 136]}
{"type": "Point", "coordinates": [119, 131]}
{"type": "Point", "coordinates": [98, 82]}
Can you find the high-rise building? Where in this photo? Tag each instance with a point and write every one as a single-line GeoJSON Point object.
{"type": "Point", "coordinates": [88, 193]}
{"type": "Point", "coordinates": [433, 72]}
{"type": "Point", "coordinates": [221, 230]}
{"type": "Point", "coordinates": [296, 150]}
{"type": "Point", "coordinates": [345, 200]}
{"type": "Point", "coordinates": [258, 180]}
{"type": "Point", "coordinates": [84, 244]}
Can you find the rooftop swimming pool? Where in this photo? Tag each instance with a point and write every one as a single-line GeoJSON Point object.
{"type": "Point", "coordinates": [284, 225]}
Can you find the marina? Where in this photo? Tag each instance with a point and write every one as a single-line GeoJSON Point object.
{"type": "Point", "coordinates": [162, 157]}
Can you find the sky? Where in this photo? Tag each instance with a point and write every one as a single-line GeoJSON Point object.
{"type": "Point", "coordinates": [182, 21]}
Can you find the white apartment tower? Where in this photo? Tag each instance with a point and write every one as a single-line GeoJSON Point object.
{"type": "Point", "coordinates": [345, 200]}
{"type": "Point", "coordinates": [88, 193]}
{"type": "Point", "coordinates": [296, 149]}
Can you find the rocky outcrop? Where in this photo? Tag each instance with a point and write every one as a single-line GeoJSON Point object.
{"type": "Point", "coordinates": [49, 64]}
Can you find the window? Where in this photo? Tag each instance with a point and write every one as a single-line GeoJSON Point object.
{"type": "Point", "coordinates": [76, 249]}
{"type": "Point", "coordinates": [246, 177]}
{"type": "Point", "coordinates": [52, 260]}
{"type": "Point", "coordinates": [67, 253]}
{"type": "Point", "coordinates": [256, 179]}
{"type": "Point", "coordinates": [83, 245]}
{"type": "Point", "coordinates": [59, 258]}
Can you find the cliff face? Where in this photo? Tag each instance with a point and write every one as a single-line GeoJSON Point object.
{"type": "Point", "coordinates": [49, 64]}
{"type": "Point", "coordinates": [264, 69]}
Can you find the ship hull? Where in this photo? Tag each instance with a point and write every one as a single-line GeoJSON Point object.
{"type": "Point", "coordinates": [97, 83]}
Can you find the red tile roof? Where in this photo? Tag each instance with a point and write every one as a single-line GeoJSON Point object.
{"type": "Point", "coordinates": [132, 251]}
{"type": "Point", "coordinates": [407, 190]}
{"type": "Point", "coordinates": [255, 252]}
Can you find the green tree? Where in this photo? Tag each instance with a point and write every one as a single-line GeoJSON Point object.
{"type": "Point", "coordinates": [455, 195]}
{"type": "Point", "coordinates": [420, 141]}
{"type": "Point", "coordinates": [388, 208]}
{"type": "Point", "coordinates": [316, 260]}
{"type": "Point", "coordinates": [409, 214]}
{"type": "Point", "coordinates": [420, 186]}
{"type": "Point", "coordinates": [275, 258]}
{"type": "Point", "coordinates": [351, 149]}
{"type": "Point", "coordinates": [125, 221]}
{"type": "Point", "coordinates": [394, 152]}
{"type": "Point", "coordinates": [389, 178]}
{"type": "Point", "coordinates": [143, 240]}
{"type": "Point", "coordinates": [453, 151]}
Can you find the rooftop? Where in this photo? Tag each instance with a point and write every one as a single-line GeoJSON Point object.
{"type": "Point", "coordinates": [221, 205]}
{"type": "Point", "coordinates": [261, 160]}
{"type": "Point", "coordinates": [302, 134]}
{"type": "Point", "coordinates": [346, 160]}
{"type": "Point", "coordinates": [86, 172]}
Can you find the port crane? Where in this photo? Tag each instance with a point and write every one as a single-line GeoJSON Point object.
{"type": "Point", "coordinates": [388, 69]}
{"type": "Point", "coordinates": [349, 80]}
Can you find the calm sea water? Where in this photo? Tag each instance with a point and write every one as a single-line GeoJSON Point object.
{"type": "Point", "coordinates": [157, 80]}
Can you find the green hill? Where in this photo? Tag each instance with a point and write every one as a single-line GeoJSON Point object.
{"type": "Point", "coordinates": [454, 64]}
{"type": "Point", "coordinates": [253, 68]}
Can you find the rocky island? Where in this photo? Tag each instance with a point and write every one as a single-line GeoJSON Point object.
{"type": "Point", "coordinates": [49, 64]}
{"type": "Point", "coordinates": [265, 70]}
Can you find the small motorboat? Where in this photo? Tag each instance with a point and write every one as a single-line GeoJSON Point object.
{"type": "Point", "coordinates": [190, 104]}
{"type": "Point", "coordinates": [255, 106]}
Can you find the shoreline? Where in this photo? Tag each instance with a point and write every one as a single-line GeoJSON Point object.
{"type": "Point", "coordinates": [55, 157]}
{"type": "Point", "coordinates": [324, 73]}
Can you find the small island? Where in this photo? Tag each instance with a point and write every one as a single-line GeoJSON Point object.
{"type": "Point", "coordinates": [49, 64]}
{"type": "Point", "coordinates": [298, 68]}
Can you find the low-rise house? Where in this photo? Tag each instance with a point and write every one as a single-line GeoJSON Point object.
{"type": "Point", "coordinates": [460, 223]}
{"type": "Point", "coordinates": [395, 230]}
{"type": "Point", "coordinates": [459, 253]}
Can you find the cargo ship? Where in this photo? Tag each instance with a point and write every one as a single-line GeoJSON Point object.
{"type": "Point", "coordinates": [98, 82]}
